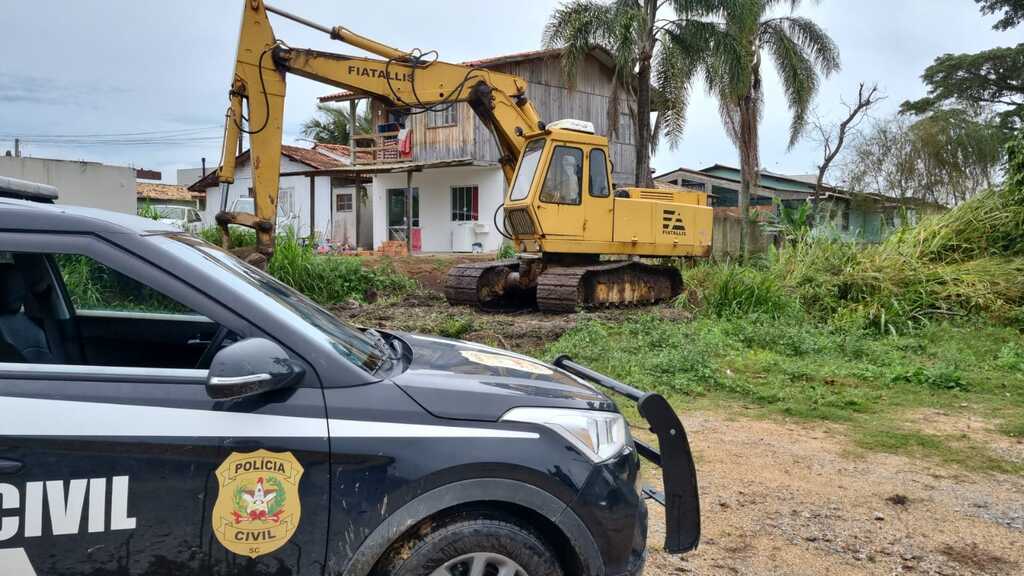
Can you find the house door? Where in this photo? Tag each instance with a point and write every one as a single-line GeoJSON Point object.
{"type": "Point", "coordinates": [397, 225]}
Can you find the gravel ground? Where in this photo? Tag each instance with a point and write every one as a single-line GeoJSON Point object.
{"type": "Point", "coordinates": [795, 499]}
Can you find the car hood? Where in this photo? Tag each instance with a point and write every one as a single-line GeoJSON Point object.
{"type": "Point", "coordinates": [467, 381]}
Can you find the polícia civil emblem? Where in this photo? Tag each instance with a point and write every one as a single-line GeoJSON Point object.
{"type": "Point", "coordinates": [258, 508]}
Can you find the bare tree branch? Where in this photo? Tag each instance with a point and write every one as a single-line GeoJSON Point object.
{"type": "Point", "coordinates": [834, 137]}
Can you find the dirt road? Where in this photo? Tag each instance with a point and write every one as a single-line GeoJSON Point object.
{"type": "Point", "coordinates": [795, 499]}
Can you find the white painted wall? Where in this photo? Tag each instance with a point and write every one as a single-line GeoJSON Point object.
{"type": "Point", "coordinates": [435, 203]}
{"type": "Point", "coordinates": [297, 187]}
{"type": "Point", "coordinates": [81, 183]}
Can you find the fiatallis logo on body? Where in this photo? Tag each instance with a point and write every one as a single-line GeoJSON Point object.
{"type": "Point", "coordinates": [257, 509]}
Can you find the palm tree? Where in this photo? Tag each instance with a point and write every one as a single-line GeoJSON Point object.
{"type": "Point", "coordinates": [630, 30]}
{"type": "Point", "coordinates": [744, 31]}
{"type": "Point", "coordinates": [331, 124]}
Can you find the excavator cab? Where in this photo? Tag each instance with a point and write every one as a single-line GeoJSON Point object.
{"type": "Point", "coordinates": [562, 201]}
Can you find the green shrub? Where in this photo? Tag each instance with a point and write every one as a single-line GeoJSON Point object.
{"type": "Point", "coordinates": [454, 326]}
{"type": "Point", "coordinates": [735, 290]}
{"type": "Point", "coordinates": [332, 279]}
{"type": "Point", "coordinates": [506, 252]}
{"type": "Point", "coordinates": [939, 377]}
{"type": "Point", "coordinates": [241, 237]}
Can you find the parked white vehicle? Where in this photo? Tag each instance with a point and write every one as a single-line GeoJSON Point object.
{"type": "Point", "coordinates": [285, 217]}
{"type": "Point", "coordinates": [182, 217]}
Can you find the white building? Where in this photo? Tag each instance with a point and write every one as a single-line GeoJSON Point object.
{"type": "Point", "coordinates": [307, 194]}
{"type": "Point", "coordinates": [78, 182]}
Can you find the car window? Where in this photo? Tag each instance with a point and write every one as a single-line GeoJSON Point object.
{"type": "Point", "coordinates": [93, 286]}
{"type": "Point", "coordinates": [288, 304]}
{"type": "Point", "coordinates": [170, 212]}
{"type": "Point", "coordinates": [564, 180]}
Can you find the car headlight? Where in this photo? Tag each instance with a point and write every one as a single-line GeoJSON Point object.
{"type": "Point", "coordinates": [599, 435]}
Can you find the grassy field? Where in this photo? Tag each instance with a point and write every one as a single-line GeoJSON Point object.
{"type": "Point", "coordinates": [797, 368]}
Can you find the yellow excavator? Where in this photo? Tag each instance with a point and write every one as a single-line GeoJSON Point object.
{"type": "Point", "coordinates": [580, 240]}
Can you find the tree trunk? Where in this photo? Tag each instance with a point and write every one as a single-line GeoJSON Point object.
{"type": "Point", "coordinates": [642, 174]}
{"type": "Point", "coordinates": [748, 166]}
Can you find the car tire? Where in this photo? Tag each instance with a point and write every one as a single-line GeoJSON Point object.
{"type": "Point", "coordinates": [466, 546]}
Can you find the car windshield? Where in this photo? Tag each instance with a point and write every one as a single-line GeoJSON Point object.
{"type": "Point", "coordinates": [347, 340]}
{"type": "Point", "coordinates": [170, 212]}
{"type": "Point", "coordinates": [527, 169]}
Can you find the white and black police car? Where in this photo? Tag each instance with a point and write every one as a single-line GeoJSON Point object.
{"type": "Point", "coordinates": [167, 410]}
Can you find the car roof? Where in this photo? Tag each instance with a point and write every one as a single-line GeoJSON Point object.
{"type": "Point", "coordinates": [18, 215]}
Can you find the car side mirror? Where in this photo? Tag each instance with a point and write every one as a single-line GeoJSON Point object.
{"type": "Point", "coordinates": [250, 367]}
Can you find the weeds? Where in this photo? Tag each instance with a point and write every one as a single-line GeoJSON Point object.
{"type": "Point", "coordinates": [332, 279]}
{"type": "Point", "coordinates": [454, 326]}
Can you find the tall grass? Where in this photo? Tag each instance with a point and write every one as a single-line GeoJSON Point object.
{"type": "Point", "coordinates": [967, 263]}
{"type": "Point", "coordinates": [331, 279]}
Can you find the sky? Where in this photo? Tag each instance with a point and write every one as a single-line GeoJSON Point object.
{"type": "Point", "coordinates": [90, 69]}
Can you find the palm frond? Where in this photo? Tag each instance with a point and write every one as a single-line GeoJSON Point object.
{"type": "Point", "coordinates": [797, 66]}
{"type": "Point", "coordinates": [577, 27]}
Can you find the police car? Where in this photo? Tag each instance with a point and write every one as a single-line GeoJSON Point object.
{"type": "Point", "coordinates": [166, 409]}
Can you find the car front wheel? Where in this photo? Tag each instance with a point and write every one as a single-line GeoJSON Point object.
{"type": "Point", "coordinates": [472, 547]}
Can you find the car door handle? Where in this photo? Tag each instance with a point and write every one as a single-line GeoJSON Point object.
{"type": "Point", "coordinates": [10, 466]}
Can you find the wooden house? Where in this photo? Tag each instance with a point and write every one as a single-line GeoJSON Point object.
{"type": "Point", "coordinates": [457, 184]}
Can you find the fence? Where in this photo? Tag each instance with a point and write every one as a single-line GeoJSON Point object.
{"type": "Point", "coordinates": [725, 239]}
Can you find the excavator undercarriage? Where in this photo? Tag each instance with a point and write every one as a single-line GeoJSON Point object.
{"type": "Point", "coordinates": [560, 284]}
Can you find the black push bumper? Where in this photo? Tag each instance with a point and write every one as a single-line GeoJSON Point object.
{"type": "Point", "coordinates": [681, 498]}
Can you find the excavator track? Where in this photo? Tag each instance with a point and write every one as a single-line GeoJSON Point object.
{"type": "Point", "coordinates": [607, 284]}
{"type": "Point", "coordinates": [479, 284]}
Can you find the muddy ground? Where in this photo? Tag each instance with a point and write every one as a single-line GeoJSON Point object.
{"type": "Point", "coordinates": [780, 497]}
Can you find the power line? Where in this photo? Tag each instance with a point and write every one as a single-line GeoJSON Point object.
{"type": "Point", "coordinates": [112, 135]}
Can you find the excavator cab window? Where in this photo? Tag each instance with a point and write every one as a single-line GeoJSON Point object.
{"type": "Point", "coordinates": [527, 169]}
{"type": "Point", "coordinates": [598, 174]}
{"type": "Point", "coordinates": [564, 181]}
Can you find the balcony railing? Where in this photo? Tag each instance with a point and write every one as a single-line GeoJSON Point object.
{"type": "Point", "coordinates": [383, 147]}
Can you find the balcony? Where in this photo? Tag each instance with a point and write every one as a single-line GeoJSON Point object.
{"type": "Point", "coordinates": [378, 148]}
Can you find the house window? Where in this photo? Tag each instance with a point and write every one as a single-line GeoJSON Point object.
{"type": "Point", "coordinates": [465, 203]}
{"type": "Point", "coordinates": [343, 202]}
{"type": "Point", "coordinates": [446, 116]}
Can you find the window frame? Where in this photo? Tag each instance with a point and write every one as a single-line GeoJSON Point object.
{"type": "Point", "coordinates": [132, 266]}
{"type": "Point", "coordinates": [604, 170]}
{"type": "Point", "coordinates": [339, 205]}
{"type": "Point", "coordinates": [474, 192]}
{"type": "Point", "coordinates": [551, 166]}
{"type": "Point", "coordinates": [452, 110]}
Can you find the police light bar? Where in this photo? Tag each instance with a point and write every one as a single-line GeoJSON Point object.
{"type": "Point", "coordinates": [14, 188]}
{"type": "Point", "coordinates": [574, 125]}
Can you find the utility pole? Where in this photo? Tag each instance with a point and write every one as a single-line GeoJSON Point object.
{"type": "Point", "coordinates": [17, 148]}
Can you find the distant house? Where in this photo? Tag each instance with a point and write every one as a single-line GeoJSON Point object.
{"type": "Point", "coordinates": [864, 217]}
{"type": "Point", "coordinates": [309, 200]}
{"type": "Point", "coordinates": [166, 194]}
{"type": "Point", "coordinates": [457, 184]}
{"type": "Point", "coordinates": [79, 182]}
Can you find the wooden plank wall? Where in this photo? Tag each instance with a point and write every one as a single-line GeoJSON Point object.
{"type": "Point", "coordinates": [554, 101]}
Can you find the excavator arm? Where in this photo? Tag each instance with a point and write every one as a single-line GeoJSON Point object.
{"type": "Point", "coordinates": [403, 79]}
